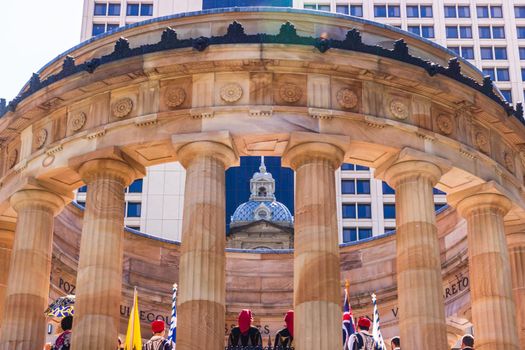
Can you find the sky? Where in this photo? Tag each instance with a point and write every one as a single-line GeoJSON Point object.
{"type": "Point", "coordinates": [32, 33]}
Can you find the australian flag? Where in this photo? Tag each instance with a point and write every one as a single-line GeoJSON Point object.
{"type": "Point", "coordinates": [348, 320]}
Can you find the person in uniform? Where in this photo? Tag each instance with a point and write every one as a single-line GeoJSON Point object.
{"type": "Point", "coordinates": [245, 334]}
{"type": "Point", "coordinates": [395, 343]}
{"type": "Point", "coordinates": [362, 339]}
{"type": "Point", "coordinates": [157, 341]}
{"type": "Point", "coordinates": [284, 338]}
{"type": "Point", "coordinates": [467, 342]}
{"type": "Point", "coordinates": [63, 342]}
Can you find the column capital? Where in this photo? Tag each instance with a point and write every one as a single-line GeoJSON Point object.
{"type": "Point", "coordinates": [110, 161]}
{"type": "Point", "coordinates": [487, 195]}
{"type": "Point", "coordinates": [217, 144]}
{"type": "Point", "coordinates": [305, 147]}
{"type": "Point", "coordinates": [37, 197]}
{"type": "Point", "coordinates": [409, 163]}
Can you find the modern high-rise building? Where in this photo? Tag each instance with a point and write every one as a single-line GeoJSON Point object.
{"type": "Point", "coordinates": [490, 34]}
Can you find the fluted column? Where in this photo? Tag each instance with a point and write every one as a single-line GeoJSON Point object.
{"type": "Point", "coordinates": [7, 236]}
{"type": "Point", "coordinates": [419, 284]}
{"type": "Point", "coordinates": [202, 285]}
{"type": "Point", "coordinates": [516, 246]}
{"type": "Point", "coordinates": [99, 275]}
{"type": "Point", "coordinates": [317, 292]}
{"type": "Point", "coordinates": [493, 308]}
{"type": "Point", "coordinates": [28, 284]}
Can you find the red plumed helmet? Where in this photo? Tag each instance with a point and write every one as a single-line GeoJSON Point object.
{"type": "Point", "coordinates": [364, 322]}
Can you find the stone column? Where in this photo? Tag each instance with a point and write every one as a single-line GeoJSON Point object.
{"type": "Point", "coordinates": [493, 308]}
{"type": "Point", "coordinates": [99, 275]}
{"type": "Point", "coordinates": [419, 283]}
{"type": "Point", "coordinates": [202, 279]}
{"type": "Point", "coordinates": [516, 246]}
{"type": "Point", "coordinates": [24, 324]}
{"type": "Point", "coordinates": [317, 287]}
{"type": "Point", "coordinates": [7, 236]}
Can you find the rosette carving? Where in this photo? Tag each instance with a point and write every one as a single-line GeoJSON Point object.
{"type": "Point", "coordinates": [399, 109]}
{"type": "Point", "coordinates": [122, 107]}
{"type": "Point", "coordinates": [12, 158]}
{"type": "Point", "coordinates": [231, 92]}
{"type": "Point", "coordinates": [175, 96]}
{"type": "Point", "coordinates": [482, 141]}
{"type": "Point", "coordinates": [347, 98]}
{"type": "Point", "coordinates": [77, 121]}
{"type": "Point", "coordinates": [40, 138]}
{"type": "Point", "coordinates": [445, 124]}
{"type": "Point", "coordinates": [509, 161]}
{"type": "Point", "coordinates": [290, 92]}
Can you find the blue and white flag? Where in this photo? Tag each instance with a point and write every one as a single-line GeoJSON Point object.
{"type": "Point", "coordinates": [172, 335]}
{"type": "Point", "coordinates": [348, 318]}
{"type": "Point", "coordinates": [376, 328]}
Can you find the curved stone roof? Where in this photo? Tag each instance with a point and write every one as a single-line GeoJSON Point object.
{"type": "Point", "coordinates": [246, 212]}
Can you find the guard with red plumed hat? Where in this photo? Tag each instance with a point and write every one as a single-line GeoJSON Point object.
{"type": "Point", "coordinates": [245, 334]}
{"type": "Point", "coordinates": [362, 339]}
{"type": "Point", "coordinates": [284, 338]}
{"type": "Point", "coordinates": [157, 341]}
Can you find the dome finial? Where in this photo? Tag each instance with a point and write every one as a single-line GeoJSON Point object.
{"type": "Point", "coordinates": [262, 168]}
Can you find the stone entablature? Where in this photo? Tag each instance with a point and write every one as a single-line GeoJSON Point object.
{"type": "Point", "coordinates": [399, 104]}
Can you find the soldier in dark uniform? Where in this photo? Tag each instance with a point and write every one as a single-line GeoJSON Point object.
{"type": "Point", "coordinates": [467, 342]}
{"type": "Point", "coordinates": [284, 338]}
{"type": "Point", "coordinates": [362, 339]}
{"type": "Point", "coordinates": [245, 334]}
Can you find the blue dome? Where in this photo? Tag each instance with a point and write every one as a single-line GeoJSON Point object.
{"type": "Point", "coordinates": [259, 210]}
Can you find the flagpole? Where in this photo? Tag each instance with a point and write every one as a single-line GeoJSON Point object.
{"type": "Point", "coordinates": [173, 311]}
{"type": "Point", "coordinates": [133, 318]}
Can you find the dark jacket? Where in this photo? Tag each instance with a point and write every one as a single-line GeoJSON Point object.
{"type": "Point", "coordinates": [283, 339]}
{"type": "Point", "coordinates": [251, 338]}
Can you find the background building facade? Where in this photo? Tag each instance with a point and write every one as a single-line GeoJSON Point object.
{"type": "Point", "coordinates": [490, 34]}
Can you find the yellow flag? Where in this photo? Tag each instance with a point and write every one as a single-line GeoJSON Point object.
{"type": "Point", "coordinates": [133, 338]}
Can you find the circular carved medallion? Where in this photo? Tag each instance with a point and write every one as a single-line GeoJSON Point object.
{"type": "Point", "coordinates": [346, 98]}
{"type": "Point", "coordinates": [77, 121]}
{"type": "Point", "coordinates": [445, 124]}
{"type": "Point", "coordinates": [175, 96]}
{"type": "Point", "coordinates": [40, 138]}
{"type": "Point", "coordinates": [522, 154]}
{"type": "Point", "coordinates": [509, 161]}
{"type": "Point", "coordinates": [290, 92]}
{"type": "Point", "coordinates": [122, 107]}
{"type": "Point", "coordinates": [482, 141]}
{"type": "Point", "coordinates": [48, 160]}
{"type": "Point", "coordinates": [399, 109]}
{"type": "Point", "coordinates": [12, 158]}
{"type": "Point", "coordinates": [231, 92]}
